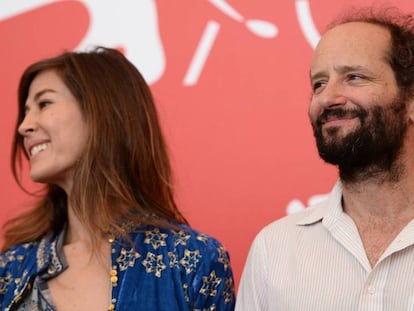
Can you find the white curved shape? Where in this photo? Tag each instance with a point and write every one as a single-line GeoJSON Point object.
{"type": "Point", "coordinates": [227, 9]}
{"type": "Point", "coordinates": [130, 24]}
{"type": "Point", "coordinates": [134, 26]}
{"type": "Point", "coordinates": [306, 22]}
{"type": "Point", "coordinates": [262, 28]}
{"type": "Point", "coordinates": [294, 206]}
{"type": "Point", "coordinates": [201, 53]}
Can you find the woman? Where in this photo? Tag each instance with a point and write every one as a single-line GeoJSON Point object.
{"type": "Point", "coordinates": [107, 234]}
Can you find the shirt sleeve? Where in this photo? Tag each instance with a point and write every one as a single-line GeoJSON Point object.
{"type": "Point", "coordinates": [253, 288]}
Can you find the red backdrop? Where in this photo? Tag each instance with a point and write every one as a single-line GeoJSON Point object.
{"type": "Point", "coordinates": [231, 83]}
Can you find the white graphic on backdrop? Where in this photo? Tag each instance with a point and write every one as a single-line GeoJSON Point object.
{"type": "Point", "coordinates": [306, 23]}
{"type": "Point", "coordinates": [133, 25]}
{"type": "Point", "coordinates": [296, 205]}
{"type": "Point", "coordinates": [130, 24]}
{"type": "Point", "coordinates": [201, 53]}
{"type": "Point", "coordinates": [259, 27]}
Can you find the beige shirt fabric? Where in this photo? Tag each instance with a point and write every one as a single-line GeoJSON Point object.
{"type": "Point", "coordinates": [314, 260]}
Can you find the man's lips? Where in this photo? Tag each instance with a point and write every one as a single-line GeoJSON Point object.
{"type": "Point", "coordinates": [336, 116]}
{"type": "Point", "coordinates": [335, 119]}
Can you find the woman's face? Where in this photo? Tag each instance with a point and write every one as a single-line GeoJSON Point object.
{"type": "Point", "coordinates": [54, 130]}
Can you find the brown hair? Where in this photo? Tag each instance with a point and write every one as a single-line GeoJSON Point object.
{"type": "Point", "coordinates": [401, 28]}
{"type": "Point", "coordinates": [124, 175]}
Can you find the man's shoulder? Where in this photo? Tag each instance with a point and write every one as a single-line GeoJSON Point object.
{"type": "Point", "coordinates": [306, 218]}
{"type": "Point", "coordinates": [290, 224]}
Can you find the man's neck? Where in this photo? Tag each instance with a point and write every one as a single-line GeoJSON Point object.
{"type": "Point", "coordinates": [383, 200]}
{"type": "Point", "coordinates": [380, 212]}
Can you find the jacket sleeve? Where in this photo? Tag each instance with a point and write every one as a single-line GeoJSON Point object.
{"type": "Point", "coordinates": [214, 284]}
{"type": "Point", "coordinates": [16, 266]}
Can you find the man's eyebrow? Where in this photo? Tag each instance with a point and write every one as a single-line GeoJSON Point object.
{"type": "Point", "coordinates": [317, 75]}
{"type": "Point", "coordinates": [346, 68]}
{"type": "Point", "coordinates": [339, 69]}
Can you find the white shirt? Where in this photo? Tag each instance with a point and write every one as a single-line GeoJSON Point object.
{"type": "Point", "coordinates": [315, 260]}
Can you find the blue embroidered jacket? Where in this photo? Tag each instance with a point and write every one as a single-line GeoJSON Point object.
{"type": "Point", "coordinates": [174, 270]}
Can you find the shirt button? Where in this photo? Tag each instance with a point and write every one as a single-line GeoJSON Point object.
{"type": "Point", "coordinates": [371, 289]}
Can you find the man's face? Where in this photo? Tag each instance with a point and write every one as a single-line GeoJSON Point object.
{"type": "Point", "coordinates": [357, 112]}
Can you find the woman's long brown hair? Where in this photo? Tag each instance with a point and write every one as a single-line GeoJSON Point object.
{"type": "Point", "coordinates": [124, 175]}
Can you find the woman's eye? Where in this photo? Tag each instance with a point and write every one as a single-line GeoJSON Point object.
{"type": "Point", "coordinates": [44, 103]}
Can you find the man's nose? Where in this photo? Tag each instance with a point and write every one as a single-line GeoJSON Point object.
{"type": "Point", "coordinates": [333, 94]}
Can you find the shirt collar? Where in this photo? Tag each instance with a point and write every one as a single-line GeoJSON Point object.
{"type": "Point", "coordinates": [326, 211]}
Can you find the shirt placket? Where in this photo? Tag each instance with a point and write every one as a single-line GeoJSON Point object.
{"type": "Point", "coordinates": [373, 292]}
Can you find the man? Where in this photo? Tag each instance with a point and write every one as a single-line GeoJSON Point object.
{"type": "Point", "coordinates": [355, 251]}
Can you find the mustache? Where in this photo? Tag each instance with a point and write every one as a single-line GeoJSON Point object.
{"type": "Point", "coordinates": [339, 113]}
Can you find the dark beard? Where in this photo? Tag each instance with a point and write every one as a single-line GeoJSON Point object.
{"type": "Point", "coordinates": [369, 151]}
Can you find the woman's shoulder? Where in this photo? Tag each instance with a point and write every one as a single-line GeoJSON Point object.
{"type": "Point", "coordinates": [17, 254]}
{"type": "Point", "coordinates": [185, 249]}
{"type": "Point", "coordinates": [182, 255]}
{"type": "Point", "coordinates": [29, 256]}
{"type": "Point", "coordinates": [17, 264]}
{"type": "Point", "coordinates": [178, 245]}
{"type": "Point", "coordinates": [178, 236]}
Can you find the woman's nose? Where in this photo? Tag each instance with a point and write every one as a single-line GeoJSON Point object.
{"type": "Point", "coordinates": [28, 125]}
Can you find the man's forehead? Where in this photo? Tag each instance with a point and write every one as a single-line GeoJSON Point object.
{"type": "Point", "coordinates": [353, 43]}
{"type": "Point", "coordinates": [357, 31]}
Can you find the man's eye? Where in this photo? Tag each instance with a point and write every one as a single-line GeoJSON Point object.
{"type": "Point", "coordinates": [355, 77]}
{"type": "Point", "coordinates": [317, 85]}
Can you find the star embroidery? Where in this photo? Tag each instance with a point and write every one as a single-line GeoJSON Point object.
{"type": "Point", "coordinates": [5, 258]}
{"type": "Point", "coordinates": [210, 284]}
{"type": "Point", "coordinates": [185, 289]}
{"type": "Point", "coordinates": [190, 260]}
{"type": "Point", "coordinates": [223, 257]}
{"type": "Point", "coordinates": [180, 237]}
{"type": "Point", "coordinates": [202, 237]}
{"type": "Point", "coordinates": [5, 282]}
{"type": "Point", "coordinates": [155, 238]}
{"type": "Point", "coordinates": [127, 258]}
{"type": "Point", "coordinates": [153, 263]}
{"type": "Point", "coordinates": [228, 292]}
{"type": "Point", "coordinates": [173, 259]}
